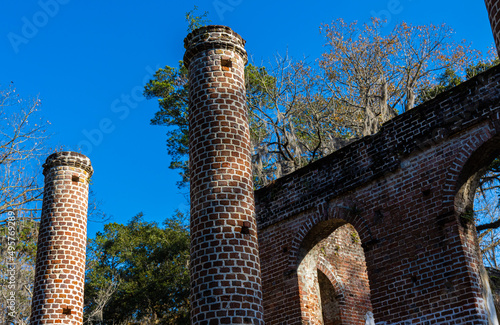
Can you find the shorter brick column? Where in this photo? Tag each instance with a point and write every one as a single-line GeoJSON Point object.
{"type": "Point", "coordinates": [60, 260]}
{"type": "Point", "coordinates": [493, 7]}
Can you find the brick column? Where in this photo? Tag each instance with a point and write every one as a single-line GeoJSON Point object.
{"type": "Point", "coordinates": [493, 7]}
{"type": "Point", "coordinates": [60, 260]}
{"type": "Point", "coordinates": [225, 269]}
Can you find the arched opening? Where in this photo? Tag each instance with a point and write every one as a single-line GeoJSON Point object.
{"type": "Point", "coordinates": [330, 305]}
{"type": "Point", "coordinates": [332, 276]}
{"type": "Point", "coordinates": [477, 206]}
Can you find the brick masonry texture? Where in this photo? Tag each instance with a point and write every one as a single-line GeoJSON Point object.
{"type": "Point", "coordinates": [493, 7]}
{"type": "Point", "coordinates": [225, 267]}
{"type": "Point", "coordinates": [60, 261]}
{"type": "Point", "coordinates": [407, 191]}
{"type": "Point", "coordinates": [332, 277]}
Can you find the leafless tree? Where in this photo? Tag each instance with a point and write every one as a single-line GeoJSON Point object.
{"type": "Point", "coordinates": [294, 118]}
{"type": "Point", "coordinates": [95, 315]}
{"type": "Point", "coordinates": [22, 136]}
{"type": "Point", "coordinates": [300, 112]}
{"type": "Point", "coordinates": [376, 76]}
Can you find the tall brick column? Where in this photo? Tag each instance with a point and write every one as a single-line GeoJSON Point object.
{"type": "Point", "coordinates": [60, 260]}
{"type": "Point", "coordinates": [493, 7]}
{"type": "Point", "coordinates": [225, 269]}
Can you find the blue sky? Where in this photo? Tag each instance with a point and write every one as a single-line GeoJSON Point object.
{"type": "Point", "coordinates": [88, 62]}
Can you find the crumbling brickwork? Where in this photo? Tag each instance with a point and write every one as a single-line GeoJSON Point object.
{"type": "Point", "coordinates": [60, 261]}
{"type": "Point", "coordinates": [493, 7]}
{"type": "Point", "coordinates": [407, 191]}
{"type": "Point", "coordinates": [332, 278]}
{"type": "Point", "coordinates": [378, 232]}
{"type": "Point", "coordinates": [225, 267]}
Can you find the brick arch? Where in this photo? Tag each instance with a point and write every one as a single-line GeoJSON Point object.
{"type": "Point", "coordinates": [325, 267]}
{"type": "Point", "coordinates": [475, 152]}
{"type": "Point", "coordinates": [474, 165]}
{"type": "Point", "coordinates": [479, 149]}
{"type": "Point", "coordinates": [338, 287]}
{"type": "Point", "coordinates": [329, 219]}
{"type": "Point", "coordinates": [335, 250]}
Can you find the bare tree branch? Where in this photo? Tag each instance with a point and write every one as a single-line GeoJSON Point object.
{"type": "Point", "coordinates": [22, 136]}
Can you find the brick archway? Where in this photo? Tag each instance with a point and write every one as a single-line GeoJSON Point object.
{"type": "Point", "coordinates": [325, 267]}
{"type": "Point", "coordinates": [480, 152]}
{"type": "Point", "coordinates": [332, 295]}
{"type": "Point", "coordinates": [327, 218]}
{"type": "Point", "coordinates": [332, 248]}
{"type": "Point", "coordinates": [485, 149]}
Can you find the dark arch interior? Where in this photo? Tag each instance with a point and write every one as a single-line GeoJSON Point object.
{"type": "Point", "coordinates": [330, 305]}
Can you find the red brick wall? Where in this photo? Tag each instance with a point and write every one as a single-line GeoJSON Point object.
{"type": "Point", "coordinates": [225, 267]}
{"type": "Point", "coordinates": [493, 7]}
{"type": "Point", "coordinates": [60, 262]}
{"type": "Point", "coordinates": [332, 277]}
{"type": "Point", "coordinates": [406, 191]}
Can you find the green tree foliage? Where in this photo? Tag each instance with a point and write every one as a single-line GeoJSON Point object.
{"type": "Point", "coordinates": [194, 21]}
{"type": "Point", "coordinates": [170, 86]}
{"type": "Point", "coordinates": [446, 81]}
{"type": "Point", "coordinates": [451, 78]}
{"type": "Point", "coordinates": [138, 273]}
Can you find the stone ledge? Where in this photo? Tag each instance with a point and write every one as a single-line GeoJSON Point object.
{"type": "Point", "coordinates": [68, 158]}
{"type": "Point", "coordinates": [213, 37]}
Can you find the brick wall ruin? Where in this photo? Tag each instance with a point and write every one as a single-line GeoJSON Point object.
{"type": "Point", "coordinates": [377, 232]}
{"type": "Point", "coordinates": [407, 191]}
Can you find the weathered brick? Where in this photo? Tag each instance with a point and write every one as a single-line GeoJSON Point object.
{"type": "Point", "coordinates": [493, 7]}
{"type": "Point", "coordinates": [67, 261]}
{"type": "Point", "coordinates": [405, 191]}
{"type": "Point", "coordinates": [377, 226]}
{"type": "Point", "coordinates": [225, 268]}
